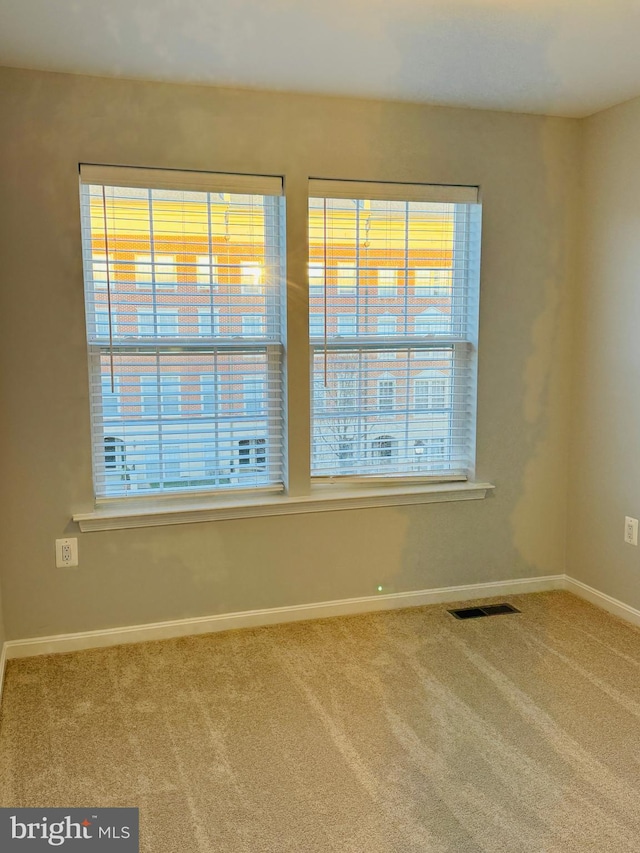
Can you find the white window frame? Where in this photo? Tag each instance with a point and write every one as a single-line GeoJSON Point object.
{"type": "Point", "coordinates": [302, 494]}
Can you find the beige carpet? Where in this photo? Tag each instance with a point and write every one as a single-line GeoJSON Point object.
{"type": "Point", "coordinates": [395, 732]}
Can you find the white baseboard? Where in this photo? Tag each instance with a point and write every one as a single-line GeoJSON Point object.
{"type": "Point", "coordinates": [276, 615]}
{"type": "Point", "coordinates": [601, 599]}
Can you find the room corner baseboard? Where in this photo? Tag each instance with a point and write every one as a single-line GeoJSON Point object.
{"type": "Point", "coordinates": [602, 600]}
{"type": "Point", "coordinates": [273, 616]}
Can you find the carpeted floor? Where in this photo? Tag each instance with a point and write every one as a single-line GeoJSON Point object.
{"type": "Point", "coordinates": [397, 732]}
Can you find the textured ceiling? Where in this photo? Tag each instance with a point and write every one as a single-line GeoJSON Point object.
{"type": "Point", "coordinates": [561, 57]}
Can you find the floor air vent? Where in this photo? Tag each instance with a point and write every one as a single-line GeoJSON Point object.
{"type": "Point", "coordinates": [489, 610]}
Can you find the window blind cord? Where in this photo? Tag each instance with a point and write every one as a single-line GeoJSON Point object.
{"type": "Point", "coordinates": [106, 248]}
{"type": "Point", "coordinates": [324, 289]}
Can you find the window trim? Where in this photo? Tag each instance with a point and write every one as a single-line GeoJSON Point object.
{"type": "Point", "coordinates": [320, 494]}
{"type": "Point", "coordinates": [158, 512]}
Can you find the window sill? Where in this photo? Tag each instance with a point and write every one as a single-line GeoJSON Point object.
{"type": "Point", "coordinates": [155, 514]}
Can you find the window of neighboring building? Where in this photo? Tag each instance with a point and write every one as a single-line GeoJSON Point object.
{"type": "Point", "coordinates": [387, 324]}
{"type": "Point", "coordinates": [383, 447]}
{"type": "Point", "coordinates": [346, 277]}
{"type": "Point", "coordinates": [167, 320]}
{"type": "Point", "coordinates": [316, 279]}
{"type": "Point", "coordinates": [99, 270]}
{"type": "Point", "coordinates": [252, 452]}
{"type": "Point", "coordinates": [433, 321]}
{"type": "Point", "coordinates": [432, 282]}
{"type": "Point", "coordinates": [345, 325]}
{"type": "Point", "coordinates": [250, 277]}
{"type": "Point", "coordinates": [387, 283]}
{"type": "Point", "coordinates": [316, 325]}
{"type": "Point", "coordinates": [110, 397]}
{"type": "Point", "coordinates": [429, 393]}
{"type": "Point", "coordinates": [170, 393]}
{"type": "Point", "coordinates": [206, 271]}
{"type": "Point", "coordinates": [253, 396]}
{"type": "Point", "coordinates": [146, 325]}
{"type": "Point", "coordinates": [209, 399]}
{"type": "Point", "coordinates": [102, 322]}
{"type": "Point", "coordinates": [207, 322]}
{"type": "Point", "coordinates": [386, 394]}
{"type": "Point", "coordinates": [155, 269]}
{"type": "Point", "coordinates": [252, 325]}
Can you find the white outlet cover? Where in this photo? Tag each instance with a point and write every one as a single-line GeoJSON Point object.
{"type": "Point", "coordinates": [66, 553]}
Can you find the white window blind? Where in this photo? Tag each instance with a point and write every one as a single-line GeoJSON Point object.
{"type": "Point", "coordinates": [394, 390]}
{"type": "Point", "coordinates": [180, 384]}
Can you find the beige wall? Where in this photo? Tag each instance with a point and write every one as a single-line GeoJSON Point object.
{"type": "Point", "coordinates": [527, 167]}
{"type": "Point", "coordinates": [605, 468]}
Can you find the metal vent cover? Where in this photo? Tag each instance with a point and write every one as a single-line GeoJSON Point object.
{"type": "Point", "coordinates": [487, 610]}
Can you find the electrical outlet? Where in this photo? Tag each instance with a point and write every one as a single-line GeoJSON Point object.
{"type": "Point", "coordinates": [631, 530]}
{"type": "Point", "coordinates": [66, 553]}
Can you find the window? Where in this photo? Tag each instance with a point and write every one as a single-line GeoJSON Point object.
{"type": "Point", "coordinates": [346, 278]}
{"type": "Point", "coordinates": [195, 390]}
{"type": "Point", "coordinates": [110, 397]}
{"type": "Point", "coordinates": [146, 326]}
{"type": "Point", "coordinates": [432, 282]}
{"type": "Point", "coordinates": [102, 322]}
{"type": "Point", "coordinates": [207, 322]}
{"type": "Point", "coordinates": [155, 269]}
{"type": "Point", "coordinates": [433, 233]}
{"type": "Point", "coordinates": [170, 393]}
{"type": "Point", "coordinates": [429, 393]}
{"type": "Point", "coordinates": [345, 325]}
{"type": "Point", "coordinates": [386, 394]}
{"type": "Point", "coordinates": [316, 325]}
{"type": "Point", "coordinates": [347, 392]}
{"type": "Point", "coordinates": [430, 452]}
{"type": "Point", "coordinates": [114, 454]}
{"type": "Point", "coordinates": [167, 319]}
{"type": "Point", "coordinates": [387, 283]}
{"type": "Point", "coordinates": [433, 321]}
{"type": "Point", "coordinates": [199, 371]}
{"type": "Point", "coordinates": [206, 271]}
{"type": "Point", "coordinates": [209, 401]}
{"type": "Point", "coordinates": [250, 277]}
{"type": "Point", "coordinates": [316, 279]}
{"type": "Point", "coordinates": [252, 452]}
{"type": "Point", "coordinates": [149, 394]}
{"type": "Point", "coordinates": [252, 326]}
{"type": "Point", "coordinates": [383, 448]}
{"type": "Point", "coordinates": [387, 324]}
{"type": "Point", "coordinates": [99, 270]}
{"type": "Point", "coordinates": [253, 395]}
